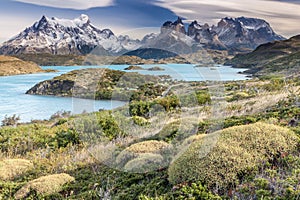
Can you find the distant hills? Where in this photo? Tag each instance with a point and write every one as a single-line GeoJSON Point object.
{"type": "Point", "coordinates": [12, 66]}
{"type": "Point", "coordinates": [80, 37]}
{"type": "Point", "coordinates": [278, 56]}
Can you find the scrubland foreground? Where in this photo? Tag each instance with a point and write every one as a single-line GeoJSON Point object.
{"type": "Point", "coordinates": [242, 143]}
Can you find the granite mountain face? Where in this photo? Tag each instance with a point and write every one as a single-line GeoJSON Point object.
{"type": "Point", "coordinates": [235, 34]}
{"type": "Point", "coordinates": [79, 37]}
{"type": "Point", "coordinates": [244, 32]}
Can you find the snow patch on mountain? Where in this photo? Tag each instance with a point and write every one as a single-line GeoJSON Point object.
{"type": "Point", "coordinates": [64, 36]}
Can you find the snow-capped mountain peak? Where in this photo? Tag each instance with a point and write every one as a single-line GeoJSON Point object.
{"type": "Point", "coordinates": [80, 36]}
{"type": "Point", "coordinates": [64, 36]}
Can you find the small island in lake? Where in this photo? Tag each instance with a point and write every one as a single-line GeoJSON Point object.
{"type": "Point", "coordinates": [134, 67]}
{"type": "Point", "coordinates": [156, 68]}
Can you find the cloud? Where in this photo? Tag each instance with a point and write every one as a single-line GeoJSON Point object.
{"type": "Point", "coordinates": [12, 29]}
{"type": "Point", "coordinates": [283, 15]}
{"type": "Point", "coordinates": [71, 4]}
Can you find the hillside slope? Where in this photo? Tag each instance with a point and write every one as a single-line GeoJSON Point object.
{"type": "Point", "coordinates": [12, 66]}
{"type": "Point", "coordinates": [279, 56]}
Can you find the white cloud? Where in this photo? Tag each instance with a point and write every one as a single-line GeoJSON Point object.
{"type": "Point", "coordinates": [72, 4]}
{"type": "Point", "coordinates": [13, 25]}
{"type": "Point", "coordinates": [283, 16]}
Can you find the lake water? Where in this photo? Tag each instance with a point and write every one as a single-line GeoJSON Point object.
{"type": "Point", "coordinates": [13, 99]}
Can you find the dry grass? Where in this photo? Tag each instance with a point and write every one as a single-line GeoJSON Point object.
{"type": "Point", "coordinates": [150, 146]}
{"type": "Point", "coordinates": [61, 160]}
{"type": "Point", "coordinates": [218, 159]}
{"type": "Point", "coordinates": [12, 66]}
{"type": "Point", "coordinates": [12, 168]}
{"type": "Point", "coordinates": [45, 185]}
{"type": "Point", "coordinates": [145, 163]}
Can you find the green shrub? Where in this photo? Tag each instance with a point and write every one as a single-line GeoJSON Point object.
{"type": "Point", "coordinates": [109, 125]}
{"type": "Point", "coordinates": [203, 97]}
{"type": "Point", "coordinates": [168, 132]}
{"type": "Point", "coordinates": [275, 84]}
{"type": "Point", "coordinates": [25, 138]}
{"type": "Point", "coordinates": [220, 159]}
{"type": "Point", "coordinates": [65, 138]}
{"type": "Point", "coordinates": [169, 102]}
{"type": "Point", "coordinates": [141, 121]}
{"type": "Point", "coordinates": [178, 130]}
{"type": "Point", "coordinates": [140, 108]}
{"type": "Point", "coordinates": [7, 189]}
{"type": "Point", "coordinates": [239, 96]}
{"type": "Point", "coordinates": [196, 191]}
{"type": "Point", "coordinates": [193, 191]}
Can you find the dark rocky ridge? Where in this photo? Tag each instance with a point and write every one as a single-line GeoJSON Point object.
{"type": "Point", "coordinates": [279, 56]}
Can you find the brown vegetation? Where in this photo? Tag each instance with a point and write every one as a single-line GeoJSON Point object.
{"type": "Point", "coordinates": [13, 66]}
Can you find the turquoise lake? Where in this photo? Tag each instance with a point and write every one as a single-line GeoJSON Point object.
{"type": "Point", "coordinates": [13, 99]}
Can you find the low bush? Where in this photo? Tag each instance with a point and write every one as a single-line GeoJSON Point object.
{"type": "Point", "coordinates": [220, 159]}
{"type": "Point", "coordinates": [141, 121]}
{"type": "Point", "coordinates": [144, 163]}
{"type": "Point", "coordinates": [137, 149]}
{"type": "Point", "coordinates": [203, 97]}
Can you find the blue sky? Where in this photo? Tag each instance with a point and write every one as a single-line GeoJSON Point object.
{"type": "Point", "coordinates": [132, 16]}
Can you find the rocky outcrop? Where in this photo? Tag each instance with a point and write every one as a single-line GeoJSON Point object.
{"type": "Point", "coordinates": [134, 67]}
{"type": "Point", "coordinates": [97, 83]}
{"type": "Point", "coordinates": [245, 32]}
{"type": "Point", "coordinates": [205, 36]}
{"type": "Point", "coordinates": [177, 26]}
{"type": "Point", "coordinates": [53, 87]}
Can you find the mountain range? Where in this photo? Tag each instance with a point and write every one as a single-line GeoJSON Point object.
{"type": "Point", "coordinates": [79, 37]}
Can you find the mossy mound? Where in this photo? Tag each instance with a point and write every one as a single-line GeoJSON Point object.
{"type": "Point", "coordinates": [45, 185]}
{"type": "Point", "coordinates": [220, 159]}
{"type": "Point", "coordinates": [136, 151]}
{"type": "Point", "coordinates": [144, 163]}
{"type": "Point", "coordinates": [12, 168]}
{"type": "Point", "coordinates": [150, 146]}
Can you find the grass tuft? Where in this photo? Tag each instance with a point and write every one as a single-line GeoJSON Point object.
{"type": "Point", "coordinates": [12, 168]}
{"type": "Point", "coordinates": [45, 185]}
